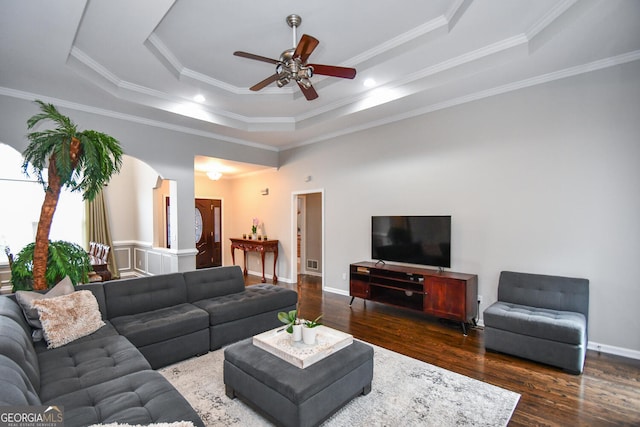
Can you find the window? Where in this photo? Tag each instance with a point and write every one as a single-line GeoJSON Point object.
{"type": "Point", "coordinates": [21, 200]}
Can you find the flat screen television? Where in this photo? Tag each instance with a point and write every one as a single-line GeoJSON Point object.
{"type": "Point", "coordinates": [424, 240]}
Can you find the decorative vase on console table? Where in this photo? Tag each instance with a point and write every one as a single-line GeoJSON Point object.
{"type": "Point", "coordinates": [254, 228]}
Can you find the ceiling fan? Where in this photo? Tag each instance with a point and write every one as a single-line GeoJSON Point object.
{"type": "Point", "coordinates": [292, 64]}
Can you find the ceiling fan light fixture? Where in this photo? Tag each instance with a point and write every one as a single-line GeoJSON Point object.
{"type": "Point", "coordinates": [305, 83]}
{"type": "Point", "coordinates": [305, 73]}
{"type": "Point", "coordinates": [283, 81]}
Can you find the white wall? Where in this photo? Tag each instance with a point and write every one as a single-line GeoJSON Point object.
{"type": "Point", "coordinates": [542, 180]}
{"type": "Point", "coordinates": [129, 198]}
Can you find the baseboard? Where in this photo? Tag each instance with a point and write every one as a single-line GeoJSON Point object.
{"type": "Point", "coordinates": [611, 349]}
{"type": "Point", "coordinates": [337, 291]}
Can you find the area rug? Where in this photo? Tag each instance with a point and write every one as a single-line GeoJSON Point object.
{"type": "Point", "coordinates": [405, 392]}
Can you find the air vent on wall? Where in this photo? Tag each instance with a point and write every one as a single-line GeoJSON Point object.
{"type": "Point", "coordinates": [312, 264]}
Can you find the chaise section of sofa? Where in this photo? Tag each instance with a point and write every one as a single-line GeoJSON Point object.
{"type": "Point", "coordinates": [540, 317]}
{"type": "Point", "coordinates": [235, 311]}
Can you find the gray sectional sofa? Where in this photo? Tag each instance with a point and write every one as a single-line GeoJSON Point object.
{"type": "Point", "coordinates": [108, 376]}
{"type": "Point", "coordinates": [540, 317]}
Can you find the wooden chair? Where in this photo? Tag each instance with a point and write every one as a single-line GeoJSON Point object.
{"type": "Point", "coordinates": [7, 251]}
{"type": "Point", "coordinates": [99, 261]}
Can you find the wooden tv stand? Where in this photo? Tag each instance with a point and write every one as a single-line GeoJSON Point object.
{"type": "Point", "coordinates": [446, 294]}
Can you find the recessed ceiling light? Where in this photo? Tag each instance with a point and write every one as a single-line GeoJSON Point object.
{"type": "Point", "coordinates": [199, 98]}
{"type": "Point", "coordinates": [369, 83]}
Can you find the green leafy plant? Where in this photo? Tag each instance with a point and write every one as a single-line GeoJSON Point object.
{"type": "Point", "coordinates": [313, 323]}
{"type": "Point", "coordinates": [79, 160]}
{"type": "Point", "coordinates": [64, 259]}
{"type": "Point", "coordinates": [289, 318]}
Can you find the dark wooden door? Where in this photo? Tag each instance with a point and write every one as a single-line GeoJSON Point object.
{"type": "Point", "coordinates": [208, 228]}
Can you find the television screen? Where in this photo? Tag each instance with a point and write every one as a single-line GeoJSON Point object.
{"type": "Point", "coordinates": [424, 240]}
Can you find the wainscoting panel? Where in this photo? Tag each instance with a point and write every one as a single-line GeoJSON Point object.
{"type": "Point", "coordinates": [142, 259]}
{"type": "Point", "coordinates": [123, 258]}
{"type": "Point", "coordinates": [154, 263]}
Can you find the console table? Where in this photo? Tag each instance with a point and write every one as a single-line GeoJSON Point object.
{"type": "Point", "coordinates": [262, 246]}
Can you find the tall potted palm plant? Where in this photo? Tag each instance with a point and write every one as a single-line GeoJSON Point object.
{"type": "Point", "coordinates": [81, 161]}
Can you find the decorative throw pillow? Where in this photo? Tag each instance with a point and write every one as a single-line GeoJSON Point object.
{"type": "Point", "coordinates": [25, 298]}
{"type": "Point", "coordinates": [69, 317]}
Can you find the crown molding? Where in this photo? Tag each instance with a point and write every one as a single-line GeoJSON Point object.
{"type": "Point", "coordinates": [29, 96]}
{"type": "Point", "coordinates": [498, 90]}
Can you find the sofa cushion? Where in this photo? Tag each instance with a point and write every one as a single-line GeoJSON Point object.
{"type": "Point", "coordinates": [544, 291]}
{"type": "Point", "coordinates": [10, 308]}
{"type": "Point", "coordinates": [98, 291]}
{"type": "Point", "coordinates": [160, 325]}
{"type": "Point", "coordinates": [562, 326]}
{"type": "Point", "coordinates": [213, 282]}
{"type": "Point", "coordinates": [131, 296]}
{"type": "Point", "coordinates": [16, 345]}
{"type": "Point", "coordinates": [139, 398]}
{"type": "Point", "coordinates": [106, 331]}
{"type": "Point", "coordinates": [15, 387]}
{"type": "Point", "coordinates": [80, 365]}
{"type": "Point", "coordinates": [26, 299]}
{"type": "Point", "coordinates": [68, 317]}
{"type": "Point", "coordinates": [252, 301]}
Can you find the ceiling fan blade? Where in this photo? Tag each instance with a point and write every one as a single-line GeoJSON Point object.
{"type": "Point", "coordinates": [256, 57]}
{"type": "Point", "coordinates": [309, 93]}
{"type": "Point", "coordinates": [266, 82]}
{"type": "Point", "coordinates": [306, 45]}
{"type": "Point", "coordinates": [331, 70]}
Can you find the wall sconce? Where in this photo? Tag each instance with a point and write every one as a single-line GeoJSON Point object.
{"type": "Point", "coordinates": [214, 175]}
{"type": "Point", "coordinates": [264, 192]}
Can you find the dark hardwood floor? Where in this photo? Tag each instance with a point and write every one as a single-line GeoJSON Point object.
{"type": "Point", "coordinates": [606, 394]}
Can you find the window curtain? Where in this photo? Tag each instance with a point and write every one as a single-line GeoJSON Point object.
{"type": "Point", "coordinates": [98, 229]}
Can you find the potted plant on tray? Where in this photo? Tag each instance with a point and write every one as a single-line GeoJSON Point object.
{"type": "Point", "coordinates": [309, 330]}
{"type": "Point", "coordinates": [293, 324]}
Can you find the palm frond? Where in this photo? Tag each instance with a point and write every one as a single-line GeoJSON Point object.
{"type": "Point", "coordinates": [50, 112]}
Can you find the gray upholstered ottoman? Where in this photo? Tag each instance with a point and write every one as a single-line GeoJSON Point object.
{"type": "Point", "coordinates": [291, 396]}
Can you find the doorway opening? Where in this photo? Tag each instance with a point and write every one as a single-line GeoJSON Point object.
{"type": "Point", "coordinates": [308, 234]}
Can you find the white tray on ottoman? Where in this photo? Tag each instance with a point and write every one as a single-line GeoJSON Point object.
{"type": "Point", "coordinates": [279, 343]}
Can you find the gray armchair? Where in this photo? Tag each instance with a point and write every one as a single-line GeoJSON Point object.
{"type": "Point", "coordinates": [542, 318]}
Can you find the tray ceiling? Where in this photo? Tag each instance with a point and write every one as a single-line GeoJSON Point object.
{"type": "Point", "coordinates": [148, 59]}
